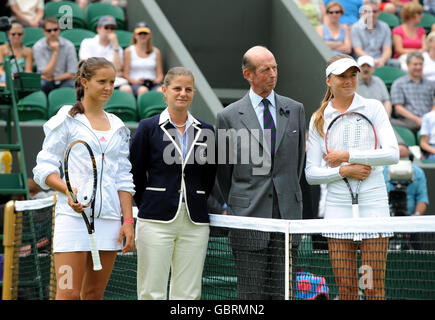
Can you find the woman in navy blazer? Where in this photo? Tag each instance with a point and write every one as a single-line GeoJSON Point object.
{"type": "Point", "coordinates": [173, 175]}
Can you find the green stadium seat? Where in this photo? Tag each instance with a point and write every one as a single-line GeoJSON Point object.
{"type": "Point", "coordinates": [389, 18]}
{"type": "Point", "coordinates": [124, 38]}
{"type": "Point", "coordinates": [77, 35]}
{"type": "Point", "coordinates": [426, 21]}
{"type": "Point", "coordinates": [406, 134]}
{"type": "Point", "coordinates": [60, 97]}
{"type": "Point", "coordinates": [389, 74]}
{"type": "Point", "coordinates": [33, 107]}
{"type": "Point", "coordinates": [122, 104]}
{"type": "Point", "coordinates": [3, 38]}
{"type": "Point", "coordinates": [32, 35]}
{"type": "Point", "coordinates": [150, 100]}
{"type": "Point", "coordinates": [53, 9]}
{"type": "Point", "coordinates": [96, 10]}
{"type": "Point", "coordinates": [153, 110]}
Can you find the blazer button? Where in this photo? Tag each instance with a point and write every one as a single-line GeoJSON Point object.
{"type": "Point", "coordinates": [269, 195]}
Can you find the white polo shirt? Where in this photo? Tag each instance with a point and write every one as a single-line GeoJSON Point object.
{"type": "Point", "coordinates": [91, 47]}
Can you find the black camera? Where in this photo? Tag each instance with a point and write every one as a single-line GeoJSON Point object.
{"type": "Point", "coordinates": [148, 83]}
{"type": "Point", "coordinates": [400, 176]}
{"type": "Point", "coordinates": [5, 24]}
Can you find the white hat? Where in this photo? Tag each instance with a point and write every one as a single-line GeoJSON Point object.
{"type": "Point", "coordinates": [340, 66]}
{"type": "Point", "coordinates": [366, 60]}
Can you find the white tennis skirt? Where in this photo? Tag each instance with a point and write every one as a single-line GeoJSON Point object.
{"type": "Point", "coordinates": [71, 234]}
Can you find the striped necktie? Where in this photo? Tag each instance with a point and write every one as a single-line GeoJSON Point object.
{"type": "Point", "coordinates": [269, 124]}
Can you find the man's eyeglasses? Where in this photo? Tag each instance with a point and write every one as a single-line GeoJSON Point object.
{"type": "Point", "coordinates": [52, 30]}
{"type": "Point", "coordinates": [18, 34]}
{"type": "Point", "coordinates": [335, 12]}
{"type": "Point", "coordinates": [109, 28]}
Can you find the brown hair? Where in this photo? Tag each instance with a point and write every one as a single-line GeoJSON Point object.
{"type": "Point", "coordinates": [176, 72]}
{"type": "Point", "coordinates": [319, 117]}
{"type": "Point", "coordinates": [149, 46]}
{"type": "Point", "coordinates": [409, 10]}
{"type": "Point", "coordinates": [86, 69]}
{"type": "Point", "coordinates": [334, 4]}
{"type": "Point", "coordinates": [50, 20]}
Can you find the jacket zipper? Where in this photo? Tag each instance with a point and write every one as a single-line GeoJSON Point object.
{"type": "Point", "coordinates": [102, 162]}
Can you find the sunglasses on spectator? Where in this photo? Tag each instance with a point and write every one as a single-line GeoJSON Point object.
{"type": "Point", "coordinates": [110, 28]}
{"type": "Point", "coordinates": [335, 12]}
{"type": "Point", "coordinates": [19, 34]}
{"type": "Point", "coordinates": [52, 30]}
{"type": "Point", "coordinates": [371, 11]}
{"type": "Point", "coordinates": [143, 33]}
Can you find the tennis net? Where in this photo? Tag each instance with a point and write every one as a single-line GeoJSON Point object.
{"type": "Point", "coordinates": [253, 258]}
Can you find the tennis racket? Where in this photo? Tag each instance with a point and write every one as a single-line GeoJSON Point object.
{"type": "Point", "coordinates": [351, 131]}
{"type": "Point", "coordinates": [81, 173]}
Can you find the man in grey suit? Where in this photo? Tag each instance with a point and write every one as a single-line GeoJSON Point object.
{"type": "Point", "coordinates": [269, 188]}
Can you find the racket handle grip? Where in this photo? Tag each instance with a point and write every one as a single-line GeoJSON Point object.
{"type": "Point", "coordinates": [355, 211]}
{"type": "Point", "coordinates": [94, 252]}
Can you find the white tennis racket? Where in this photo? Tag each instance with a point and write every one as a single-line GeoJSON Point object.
{"type": "Point", "coordinates": [81, 173]}
{"type": "Point", "coordinates": [348, 132]}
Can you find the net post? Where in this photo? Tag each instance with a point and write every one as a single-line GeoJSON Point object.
{"type": "Point", "coordinates": [8, 243]}
{"type": "Point", "coordinates": [288, 275]}
{"type": "Point", "coordinates": [53, 284]}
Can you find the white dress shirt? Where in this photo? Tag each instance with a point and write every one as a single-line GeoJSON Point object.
{"type": "Point", "coordinates": [259, 106]}
{"type": "Point", "coordinates": [373, 197]}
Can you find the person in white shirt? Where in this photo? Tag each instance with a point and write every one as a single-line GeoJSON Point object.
{"type": "Point", "coordinates": [143, 67]}
{"type": "Point", "coordinates": [27, 12]}
{"type": "Point", "coordinates": [341, 80]}
{"type": "Point", "coordinates": [104, 45]}
{"type": "Point", "coordinates": [427, 135]}
{"type": "Point", "coordinates": [429, 58]}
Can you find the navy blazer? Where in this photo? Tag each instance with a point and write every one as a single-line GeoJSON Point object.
{"type": "Point", "coordinates": [159, 182]}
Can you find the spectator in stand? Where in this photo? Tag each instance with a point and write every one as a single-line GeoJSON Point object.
{"type": "Point", "coordinates": [429, 6]}
{"type": "Point", "coordinates": [335, 35]}
{"type": "Point", "coordinates": [370, 86]}
{"type": "Point", "coordinates": [372, 37]}
{"type": "Point", "coordinates": [427, 135]}
{"type": "Point", "coordinates": [387, 6]}
{"type": "Point", "coordinates": [84, 3]}
{"type": "Point", "coordinates": [105, 45]}
{"type": "Point", "coordinates": [143, 67]}
{"type": "Point", "coordinates": [400, 4]}
{"type": "Point", "coordinates": [311, 10]}
{"type": "Point", "coordinates": [55, 58]}
{"type": "Point", "coordinates": [27, 12]}
{"type": "Point", "coordinates": [351, 10]}
{"type": "Point", "coordinates": [408, 37]}
{"type": "Point", "coordinates": [23, 55]}
{"type": "Point", "coordinates": [412, 95]}
{"type": "Point", "coordinates": [429, 58]}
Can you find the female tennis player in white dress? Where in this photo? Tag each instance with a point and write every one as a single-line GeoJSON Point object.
{"type": "Point", "coordinates": [104, 132]}
{"type": "Point", "coordinates": [341, 80]}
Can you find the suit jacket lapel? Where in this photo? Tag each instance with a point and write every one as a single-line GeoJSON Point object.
{"type": "Point", "coordinates": [282, 116]}
{"type": "Point", "coordinates": [250, 120]}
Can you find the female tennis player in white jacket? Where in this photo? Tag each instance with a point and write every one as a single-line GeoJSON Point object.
{"type": "Point", "coordinates": [109, 139]}
{"type": "Point", "coordinates": [340, 97]}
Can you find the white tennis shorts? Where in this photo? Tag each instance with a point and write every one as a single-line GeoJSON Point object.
{"type": "Point", "coordinates": [71, 234]}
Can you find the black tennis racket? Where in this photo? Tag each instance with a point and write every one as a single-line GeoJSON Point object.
{"type": "Point", "coordinates": [81, 174]}
{"type": "Point", "coordinates": [348, 132]}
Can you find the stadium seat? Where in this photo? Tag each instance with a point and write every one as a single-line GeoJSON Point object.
{"type": "Point", "coordinates": [77, 35]}
{"type": "Point", "coordinates": [53, 9]}
{"type": "Point", "coordinates": [390, 19]}
{"type": "Point", "coordinates": [33, 107]}
{"type": "Point", "coordinates": [151, 100]}
{"type": "Point", "coordinates": [2, 37]}
{"type": "Point", "coordinates": [122, 104]}
{"type": "Point", "coordinates": [388, 74]}
{"type": "Point", "coordinates": [406, 134]}
{"type": "Point", "coordinates": [124, 38]}
{"type": "Point", "coordinates": [31, 36]}
{"type": "Point", "coordinates": [426, 21]}
{"type": "Point", "coordinates": [96, 10]}
{"type": "Point", "coordinates": [60, 97]}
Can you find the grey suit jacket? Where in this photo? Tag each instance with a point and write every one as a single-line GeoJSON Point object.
{"type": "Point", "coordinates": [251, 194]}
